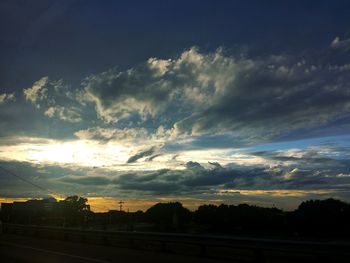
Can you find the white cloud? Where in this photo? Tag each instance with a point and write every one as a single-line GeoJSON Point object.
{"type": "Point", "coordinates": [106, 134]}
{"type": "Point", "coordinates": [63, 113]}
{"type": "Point", "coordinates": [7, 97]}
{"type": "Point", "coordinates": [191, 82]}
{"type": "Point", "coordinates": [254, 99]}
{"type": "Point", "coordinates": [37, 92]}
{"type": "Point", "coordinates": [341, 44]}
{"type": "Point", "coordinates": [55, 99]}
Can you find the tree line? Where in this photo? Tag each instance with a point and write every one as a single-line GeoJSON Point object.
{"type": "Point", "coordinates": [318, 218]}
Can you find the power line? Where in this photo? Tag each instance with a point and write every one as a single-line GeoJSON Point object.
{"type": "Point", "coordinates": [121, 205]}
{"type": "Point", "coordinates": [29, 182]}
{"type": "Point", "coordinates": [43, 188]}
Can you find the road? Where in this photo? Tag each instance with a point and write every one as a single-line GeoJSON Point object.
{"type": "Point", "coordinates": [20, 249]}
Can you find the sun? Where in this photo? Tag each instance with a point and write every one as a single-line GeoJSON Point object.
{"type": "Point", "coordinates": [78, 152]}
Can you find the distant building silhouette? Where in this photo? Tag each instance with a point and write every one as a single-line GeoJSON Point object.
{"type": "Point", "coordinates": [25, 212]}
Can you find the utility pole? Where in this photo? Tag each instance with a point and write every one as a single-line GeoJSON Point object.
{"type": "Point", "coordinates": [121, 205]}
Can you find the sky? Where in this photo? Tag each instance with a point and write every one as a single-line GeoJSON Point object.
{"type": "Point", "coordinates": [191, 101]}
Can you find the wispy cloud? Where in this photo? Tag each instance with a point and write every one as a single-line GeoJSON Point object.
{"type": "Point", "coordinates": [341, 44]}
{"type": "Point", "coordinates": [7, 97]}
{"type": "Point", "coordinates": [140, 155]}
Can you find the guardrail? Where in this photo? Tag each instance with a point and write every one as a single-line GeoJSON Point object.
{"type": "Point", "coordinates": [254, 249]}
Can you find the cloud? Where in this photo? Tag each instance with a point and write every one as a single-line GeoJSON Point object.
{"type": "Point", "coordinates": [86, 180]}
{"type": "Point", "coordinates": [37, 92]}
{"type": "Point", "coordinates": [193, 165]}
{"type": "Point", "coordinates": [55, 99]}
{"type": "Point", "coordinates": [203, 100]}
{"type": "Point", "coordinates": [140, 155]}
{"type": "Point", "coordinates": [158, 85]}
{"type": "Point", "coordinates": [192, 180]}
{"type": "Point", "coordinates": [106, 134]}
{"type": "Point", "coordinates": [7, 97]}
{"type": "Point", "coordinates": [32, 180]}
{"type": "Point", "coordinates": [314, 158]}
{"type": "Point", "coordinates": [150, 159]}
{"type": "Point", "coordinates": [272, 99]}
{"type": "Point", "coordinates": [341, 44]}
{"type": "Point", "coordinates": [189, 115]}
{"type": "Point", "coordinates": [297, 173]}
{"type": "Point", "coordinates": [254, 99]}
{"type": "Point", "coordinates": [215, 164]}
{"type": "Point", "coordinates": [65, 114]}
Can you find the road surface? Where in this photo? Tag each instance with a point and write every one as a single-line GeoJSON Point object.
{"type": "Point", "coordinates": [21, 249]}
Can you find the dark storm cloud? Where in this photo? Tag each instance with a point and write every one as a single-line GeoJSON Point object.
{"type": "Point", "coordinates": [33, 180]}
{"type": "Point", "coordinates": [193, 165]}
{"type": "Point", "coordinates": [150, 159]}
{"type": "Point", "coordinates": [154, 187]}
{"type": "Point", "coordinates": [310, 169]}
{"type": "Point", "coordinates": [291, 174]}
{"type": "Point", "coordinates": [188, 180]}
{"type": "Point", "coordinates": [86, 180]}
{"type": "Point", "coordinates": [140, 155]}
{"type": "Point", "coordinates": [215, 164]}
{"type": "Point", "coordinates": [331, 159]}
{"type": "Point", "coordinates": [163, 181]}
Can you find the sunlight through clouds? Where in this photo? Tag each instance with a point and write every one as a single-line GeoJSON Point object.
{"type": "Point", "coordinates": [150, 107]}
{"type": "Point", "coordinates": [81, 153]}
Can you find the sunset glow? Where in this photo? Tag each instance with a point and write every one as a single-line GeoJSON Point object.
{"type": "Point", "coordinates": [173, 101]}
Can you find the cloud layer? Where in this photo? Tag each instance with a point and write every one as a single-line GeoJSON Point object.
{"type": "Point", "coordinates": [250, 99]}
{"type": "Point", "coordinates": [257, 99]}
{"type": "Point", "coordinates": [191, 125]}
{"type": "Point", "coordinates": [285, 176]}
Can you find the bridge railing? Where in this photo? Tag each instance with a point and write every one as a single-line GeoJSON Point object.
{"type": "Point", "coordinates": [248, 249]}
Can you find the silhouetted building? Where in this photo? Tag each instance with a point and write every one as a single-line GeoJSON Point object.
{"type": "Point", "coordinates": [6, 210]}
{"type": "Point", "coordinates": [34, 210]}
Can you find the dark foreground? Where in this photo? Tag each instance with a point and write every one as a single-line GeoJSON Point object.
{"type": "Point", "coordinates": [25, 249]}
{"type": "Point", "coordinates": [30, 243]}
{"type": "Point", "coordinates": [20, 249]}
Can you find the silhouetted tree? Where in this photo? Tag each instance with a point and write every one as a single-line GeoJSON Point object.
{"type": "Point", "coordinates": [238, 219]}
{"type": "Point", "coordinates": [168, 216]}
{"type": "Point", "coordinates": [325, 218]}
{"type": "Point", "coordinates": [321, 218]}
{"type": "Point", "coordinates": [74, 210]}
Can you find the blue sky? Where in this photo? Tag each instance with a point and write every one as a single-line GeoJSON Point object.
{"type": "Point", "coordinates": [196, 101]}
